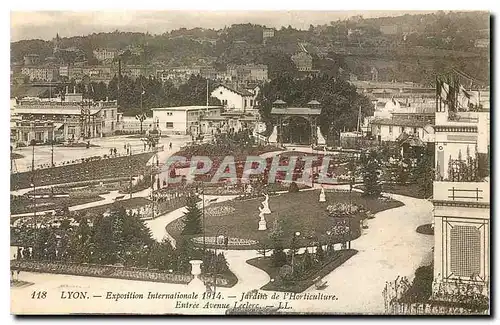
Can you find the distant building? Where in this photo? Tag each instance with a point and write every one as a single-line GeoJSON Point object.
{"type": "Point", "coordinates": [303, 61]}
{"type": "Point", "coordinates": [234, 98]}
{"type": "Point", "coordinates": [60, 119]}
{"type": "Point", "coordinates": [136, 71]}
{"type": "Point", "coordinates": [105, 54]}
{"type": "Point", "coordinates": [267, 33]}
{"type": "Point", "coordinates": [248, 73]}
{"type": "Point", "coordinates": [183, 119]}
{"type": "Point", "coordinates": [31, 59]}
{"type": "Point", "coordinates": [48, 73]}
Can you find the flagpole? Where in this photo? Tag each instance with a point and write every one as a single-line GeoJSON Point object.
{"type": "Point", "coordinates": [207, 94]}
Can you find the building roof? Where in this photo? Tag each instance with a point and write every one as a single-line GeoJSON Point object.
{"type": "Point", "coordinates": [411, 139]}
{"type": "Point", "coordinates": [185, 108]}
{"type": "Point", "coordinates": [295, 111]}
{"type": "Point", "coordinates": [239, 91]}
{"type": "Point", "coordinates": [52, 110]}
{"type": "Point", "coordinates": [399, 122]}
{"type": "Point", "coordinates": [314, 102]}
{"type": "Point", "coordinates": [278, 102]}
{"type": "Point", "coordinates": [28, 91]}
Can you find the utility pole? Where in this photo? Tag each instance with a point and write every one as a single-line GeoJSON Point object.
{"type": "Point", "coordinates": [52, 151]}
{"type": "Point", "coordinates": [207, 94]}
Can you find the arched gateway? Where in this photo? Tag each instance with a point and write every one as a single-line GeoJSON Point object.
{"type": "Point", "coordinates": [297, 125]}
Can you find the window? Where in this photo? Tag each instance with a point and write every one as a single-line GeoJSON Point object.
{"type": "Point", "coordinates": [112, 114]}
{"type": "Point", "coordinates": [105, 114]}
{"type": "Point", "coordinates": [251, 102]}
{"type": "Point", "coordinates": [414, 130]}
{"type": "Point", "coordinates": [169, 125]}
{"type": "Point", "coordinates": [245, 103]}
{"type": "Point", "coordinates": [112, 126]}
{"type": "Point", "coordinates": [465, 250]}
{"type": "Point", "coordinates": [390, 128]}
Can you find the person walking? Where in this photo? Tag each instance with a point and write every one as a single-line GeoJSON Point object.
{"type": "Point", "coordinates": [170, 145]}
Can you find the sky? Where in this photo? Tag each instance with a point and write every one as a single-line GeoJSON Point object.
{"type": "Point", "coordinates": [45, 24]}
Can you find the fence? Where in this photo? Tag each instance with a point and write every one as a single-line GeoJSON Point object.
{"type": "Point", "coordinates": [395, 292]}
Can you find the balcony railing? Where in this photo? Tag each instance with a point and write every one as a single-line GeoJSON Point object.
{"type": "Point", "coordinates": [462, 192]}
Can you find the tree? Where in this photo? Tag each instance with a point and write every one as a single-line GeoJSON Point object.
{"type": "Point", "coordinates": [424, 176]}
{"type": "Point", "coordinates": [278, 255]}
{"type": "Point", "coordinates": [293, 188]}
{"type": "Point", "coordinates": [162, 256]}
{"type": "Point", "coordinates": [371, 174]}
{"type": "Point", "coordinates": [403, 173]}
{"type": "Point", "coordinates": [192, 218]}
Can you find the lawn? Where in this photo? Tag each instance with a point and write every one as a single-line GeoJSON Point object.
{"type": "Point", "coordinates": [313, 275]}
{"type": "Point", "coordinates": [426, 229]}
{"type": "Point", "coordinates": [135, 202]}
{"type": "Point", "coordinates": [90, 170]}
{"type": "Point", "coordinates": [299, 211]}
{"type": "Point", "coordinates": [411, 190]}
{"type": "Point", "coordinates": [24, 204]}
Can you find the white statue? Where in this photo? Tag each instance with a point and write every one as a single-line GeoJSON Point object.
{"type": "Point", "coordinates": [265, 205]}
{"type": "Point", "coordinates": [322, 196]}
{"type": "Point", "coordinates": [262, 221]}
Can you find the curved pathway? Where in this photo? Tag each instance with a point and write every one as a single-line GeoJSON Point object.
{"type": "Point", "coordinates": [390, 247]}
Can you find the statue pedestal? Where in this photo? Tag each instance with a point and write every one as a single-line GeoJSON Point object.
{"type": "Point", "coordinates": [196, 284]}
{"type": "Point", "coordinates": [322, 197]}
{"type": "Point", "coordinates": [262, 225]}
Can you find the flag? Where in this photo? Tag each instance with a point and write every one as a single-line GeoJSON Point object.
{"type": "Point", "coordinates": [463, 98]}
{"type": "Point", "coordinates": [445, 90]}
{"type": "Point", "coordinates": [474, 98]}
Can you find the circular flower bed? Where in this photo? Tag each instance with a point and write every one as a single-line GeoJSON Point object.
{"type": "Point", "coordinates": [219, 211]}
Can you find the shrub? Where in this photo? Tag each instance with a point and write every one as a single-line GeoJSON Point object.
{"type": "Point", "coordinates": [293, 188]}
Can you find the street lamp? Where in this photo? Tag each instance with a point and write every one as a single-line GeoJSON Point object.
{"type": "Point", "coordinates": [294, 238]}
{"type": "Point", "coordinates": [331, 245]}
{"type": "Point", "coordinates": [203, 213]}
{"type": "Point", "coordinates": [130, 184]}
{"type": "Point", "coordinates": [225, 243]}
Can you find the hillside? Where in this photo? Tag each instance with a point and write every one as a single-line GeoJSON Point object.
{"type": "Point", "coordinates": [416, 39]}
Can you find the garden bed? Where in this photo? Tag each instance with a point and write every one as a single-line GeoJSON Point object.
{"type": "Point", "coordinates": [299, 211]}
{"type": "Point", "coordinates": [91, 170]}
{"type": "Point", "coordinates": [133, 203]}
{"type": "Point", "coordinates": [318, 272]}
{"type": "Point", "coordinates": [426, 229]}
{"type": "Point", "coordinates": [227, 279]}
{"type": "Point", "coordinates": [25, 205]}
{"type": "Point", "coordinates": [411, 190]}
